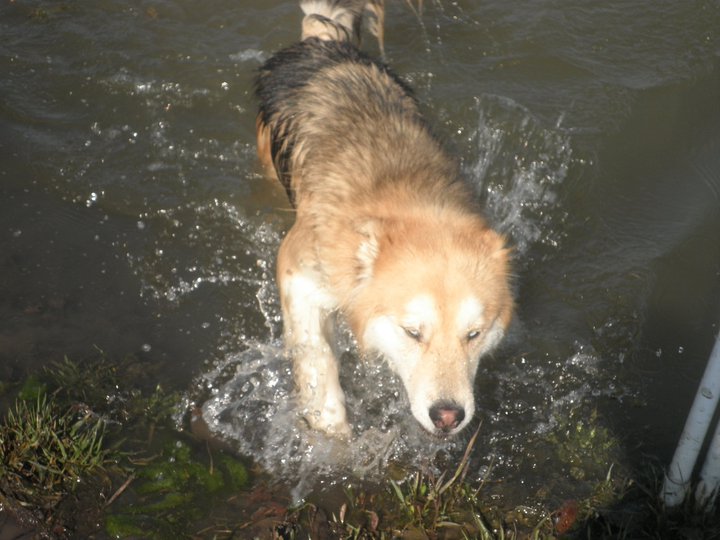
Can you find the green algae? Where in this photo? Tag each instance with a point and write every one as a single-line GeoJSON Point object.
{"type": "Point", "coordinates": [175, 488]}
{"type": "Point", "coordinates": [236, 473]}
{"type": "Point", "coordinates": [123, 526]}
{"type": "Point", "coordinates": [178, 471]}
{"type": "Point", "coordinates": [585, 445]}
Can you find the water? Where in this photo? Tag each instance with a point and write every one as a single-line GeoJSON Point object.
{"type": "Point", "coordinates": [133, 217]}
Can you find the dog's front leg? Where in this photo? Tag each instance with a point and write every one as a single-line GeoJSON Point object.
{"type": "Point", "coordinates": [308, 316]}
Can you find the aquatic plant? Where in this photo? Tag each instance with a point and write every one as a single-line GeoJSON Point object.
{"type": "Point", "coordinates": [433, 503]}
{"type": "Point", "coordinates": [584, 444]}
{"type": "Point", "coordinates": [173, 490]}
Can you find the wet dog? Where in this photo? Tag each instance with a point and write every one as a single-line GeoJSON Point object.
{"type": "Point", "coordinates": [387, 234]}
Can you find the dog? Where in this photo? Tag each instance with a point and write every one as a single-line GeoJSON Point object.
{"type": "Point", "coordinates": [387, 234]}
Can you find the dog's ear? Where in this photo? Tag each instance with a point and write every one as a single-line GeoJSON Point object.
{"type": "Point", "coordinates": [367, 250]}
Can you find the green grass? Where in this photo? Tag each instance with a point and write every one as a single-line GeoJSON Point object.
{"type": "Point", "coordinates": [45, 450]}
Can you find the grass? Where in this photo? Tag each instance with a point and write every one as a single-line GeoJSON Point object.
{"type": "Point", "coordinates": [431, 507]}
{"type": "Point", "coordinates": [45, 451]}
{"type": "Point", "coordinates": [85, 445]}
{"type": "Point", "coordinates": [422, 506]}
{"type": "Point", "coordinates": [54, 440]}
{"type": "Point", "coordinates": [437, 504]}
{"type": "Point", "coordinates": [620, 506]}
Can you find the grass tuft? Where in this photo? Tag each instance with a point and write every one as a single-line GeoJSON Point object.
{"type": "Point", "coordinates": [44, 451]}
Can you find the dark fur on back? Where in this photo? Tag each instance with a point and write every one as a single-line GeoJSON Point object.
{"type": "Point", "coordinates": [286, 73]}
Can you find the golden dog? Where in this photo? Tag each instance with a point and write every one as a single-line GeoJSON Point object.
{"type": "Point", "coordinates": [387, 233]}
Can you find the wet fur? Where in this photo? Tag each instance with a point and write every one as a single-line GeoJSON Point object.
{"type": "Point", "coordinates": [387, 233]}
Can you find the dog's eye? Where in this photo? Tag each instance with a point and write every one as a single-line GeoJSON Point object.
{"type": "Point", "coordinates": [473, 334]}
{"type": "Point", "coordinates": [413, 333]}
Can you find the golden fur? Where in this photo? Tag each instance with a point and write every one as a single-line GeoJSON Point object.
{"type": "Point", "coordinates": [386, 233]}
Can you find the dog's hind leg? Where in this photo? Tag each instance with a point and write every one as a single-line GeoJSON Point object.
{"type": "Point", "coordinates": [308, 315]}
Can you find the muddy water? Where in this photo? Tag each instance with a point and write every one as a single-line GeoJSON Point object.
{"type": "Point", "coordinates": [133, 218]}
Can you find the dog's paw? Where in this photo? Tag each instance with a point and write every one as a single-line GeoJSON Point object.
{"type": "Point", "coordinates": [341, 430]}
{"type": "Point", "coordinates": [330, 420]}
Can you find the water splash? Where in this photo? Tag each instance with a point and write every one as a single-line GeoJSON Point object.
{"type": "Point", "coordinates": [229, 248]}
{"type": "Point", "coordinates": [253, 406]}
{"type": "Point", "coordinates": [518, 166]}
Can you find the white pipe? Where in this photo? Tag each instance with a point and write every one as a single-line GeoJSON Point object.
{"type": "Point", "coordinates": [709, 484]}
{"type": "Point", "coordinates": [678, 476]}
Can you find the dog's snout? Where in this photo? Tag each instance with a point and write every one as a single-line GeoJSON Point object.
{"type": "Point", "coordinates": [446, 415]}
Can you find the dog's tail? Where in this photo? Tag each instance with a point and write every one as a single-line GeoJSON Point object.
{"type": "Point", "coordinates": [341, 20]}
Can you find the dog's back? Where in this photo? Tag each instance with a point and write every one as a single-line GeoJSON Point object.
{"type": "Point", "coordinates": [323, 98]}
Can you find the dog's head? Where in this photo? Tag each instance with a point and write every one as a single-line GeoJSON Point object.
{"type": "Point", "coordinates": [433, 298]}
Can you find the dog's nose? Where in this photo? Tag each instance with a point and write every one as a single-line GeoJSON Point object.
{"type": "Point", "coordinates": [446, 415]}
